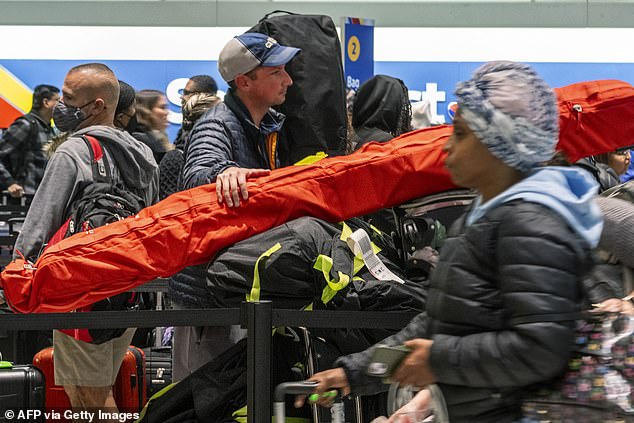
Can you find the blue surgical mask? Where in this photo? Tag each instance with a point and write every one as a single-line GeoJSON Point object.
{"type": "Point", "coordinates": [68, 118]}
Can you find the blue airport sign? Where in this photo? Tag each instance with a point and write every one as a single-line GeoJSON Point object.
{"type": "Point", "coordinates": [433, 81]}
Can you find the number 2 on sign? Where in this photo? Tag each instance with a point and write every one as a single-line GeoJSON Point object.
{"type": "Point", "coordinates": [354, 48]}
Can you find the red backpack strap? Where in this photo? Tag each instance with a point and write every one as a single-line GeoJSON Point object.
{"type": "Point", "coordinates": [95, 147]}
{"type": "Point", "coordinates": [98, 160]}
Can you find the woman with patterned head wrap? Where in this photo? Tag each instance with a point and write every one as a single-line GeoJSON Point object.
{"type": "Point", "coordinates": [509, 269]}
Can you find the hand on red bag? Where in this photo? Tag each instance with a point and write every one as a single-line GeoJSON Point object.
{"type": "Point", "coordinates": [415, 369]}
{"type": "Point", "coordinates": [231, 183]}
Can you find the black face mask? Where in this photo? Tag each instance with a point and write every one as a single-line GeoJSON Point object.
{"type": "Point", "coordinates": [68, 118]}
{"type": "Point", "coordinates": [132, 124]}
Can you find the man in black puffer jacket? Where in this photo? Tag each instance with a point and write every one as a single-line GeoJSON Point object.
{"type": "Point", "coordinates": [508, 280]}
{"type": "Point", "coordinates": [233, 141]}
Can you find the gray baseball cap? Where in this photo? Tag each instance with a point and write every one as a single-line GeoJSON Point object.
{"type": "Point", "coordinates": [245, 52]}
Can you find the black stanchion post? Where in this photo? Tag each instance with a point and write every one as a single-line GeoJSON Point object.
{"type": "Point", "coordinates": [259, 322]}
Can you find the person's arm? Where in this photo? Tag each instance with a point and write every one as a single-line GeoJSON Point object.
{"type": "Point", "coordinates": [617, 236]}
{"type": "Point", "coordinates": [355, 365]}
{"type": "Point", "coordinates": [153, 189]}
{"type": "Point", "coordinates": [12, 139]}
{"type": "Point", "coordinates": [349, 372]}
{"type": "Point", "coordinates": [539, 263]}
{"type": "Point", "coordinates": [605, 281]}
{"type": "Point", "coordinates": [47, 211]}
{"type": "Point", "coordinates": [208, 153]}
{"type": "Point", "coordinates": [209, 160]}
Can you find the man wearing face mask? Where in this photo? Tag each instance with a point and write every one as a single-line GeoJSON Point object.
{"type": "Point", "coordinates": [88, 105]}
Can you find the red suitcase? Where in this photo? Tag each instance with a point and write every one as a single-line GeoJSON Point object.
{"type": "Point", "coordinates": [129, 390]}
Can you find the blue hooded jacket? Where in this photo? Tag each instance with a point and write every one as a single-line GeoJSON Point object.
{"type": "Point", "coordinates": [567, 190]}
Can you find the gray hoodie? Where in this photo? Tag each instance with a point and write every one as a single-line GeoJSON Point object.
{"type": "Point", "coordinates": [131, 162]}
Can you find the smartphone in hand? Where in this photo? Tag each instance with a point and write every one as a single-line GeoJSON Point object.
{"type": "Point", "coordinates": [386, 359]}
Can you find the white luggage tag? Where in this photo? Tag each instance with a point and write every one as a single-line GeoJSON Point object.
{"type": "Point", "coordinates": [359, 243]}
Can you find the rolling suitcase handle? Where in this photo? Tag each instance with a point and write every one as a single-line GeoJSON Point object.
{"type": "Point", "coordinates": [299, 388]}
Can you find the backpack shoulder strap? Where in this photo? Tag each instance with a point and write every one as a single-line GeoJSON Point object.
{"type": "Point", "coordinates": [33, 125]}
{"type": "Point", "coordinates": [98, 160]}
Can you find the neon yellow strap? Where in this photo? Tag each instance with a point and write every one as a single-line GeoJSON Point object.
{"type": "Point", "coordinates": [150, 402]}
{"type": "Point", "coordinates": [240, 415]}
{"type": "Point", "coordinates": [346, 231]}
{"type": "Point", "coordinates": [358, 261]}
{"type": "Point", "coordinates": [255, 289]}
{"type": "Point", "coordinates": [375, 229]}
{"type": "Point", "coordinates": [311, 159]}
{"type": "Point", "coordinates": [324, 264]}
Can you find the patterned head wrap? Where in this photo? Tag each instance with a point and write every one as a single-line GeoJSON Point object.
{"type": "Point", "coordinates": [512, 111]}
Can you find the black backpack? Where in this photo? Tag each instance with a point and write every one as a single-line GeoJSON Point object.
{"type": "Point", "coordinates": [99, 203]}
{"type": "Point", "coordinates": [603, 174]}
{"type": "Point", "coordinates": [315, 105]}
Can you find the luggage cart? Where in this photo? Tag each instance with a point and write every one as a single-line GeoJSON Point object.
{"type": "Point", "coordinates": [314, 365]}
{"type": "Point", "coordinates": [337, 412]}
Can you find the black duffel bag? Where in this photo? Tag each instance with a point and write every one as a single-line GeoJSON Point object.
{"type": "Point", "coordinates": [315, 105]}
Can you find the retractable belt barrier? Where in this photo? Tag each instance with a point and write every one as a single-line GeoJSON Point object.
{"type": "Point", "coordinates": [256, 317]}
{"type": "Point", "coordinates": [12, 214]}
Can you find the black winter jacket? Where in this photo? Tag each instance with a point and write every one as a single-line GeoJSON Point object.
{"type": "Point", "coordinates": [379, 111]}
{"type": "Point", "coordinates": [225, 136]}
{"type": "Point", "coordinates": [22, 155]}
{"type": "Point", "coordinates": [521, 261]}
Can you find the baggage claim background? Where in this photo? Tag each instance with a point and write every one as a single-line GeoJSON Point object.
{"type": "Point", "coordinates": [429, 60]}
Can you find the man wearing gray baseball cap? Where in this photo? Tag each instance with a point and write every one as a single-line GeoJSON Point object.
{"type": "Point", "coordinates": [233, 141]}
{"type": "Point", "coordinates": [238, 138]}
